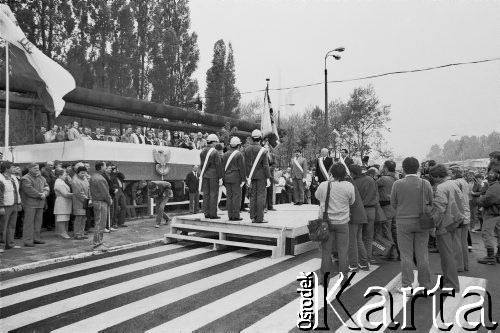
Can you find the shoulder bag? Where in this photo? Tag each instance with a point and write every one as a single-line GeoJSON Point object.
{"type": "Point", "coordinates": [319, 229]}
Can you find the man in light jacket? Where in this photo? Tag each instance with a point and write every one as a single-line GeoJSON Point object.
{"type": "Point", "coordinates": [10, 203]}
{"type": "Point", "coordinates": [34, 190]}
{"type": "Point", "coordinates": [101, 200]}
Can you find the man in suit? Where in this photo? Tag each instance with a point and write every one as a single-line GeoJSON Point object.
{"type": "Point", "coordinates": [34, 190]}
{"type": "Point", "coordinates": [211, 177]}
{"type": "Point", "coordinates": [258, 178]}
{"type": "Point", "coordinates": [73, 133]}
{"type": "Point", "coordinates": [344, 153]}
{"type": "Point", "coordinates": [192, 182]}
{"type": "Point", "coordinates": [323, 164]}
{"type": "Point", "coordinates": [137, 137]}
{"type": "Point", "coordinates": [299, 172]}
{"type": "Point", "coordinates": [234, 178]}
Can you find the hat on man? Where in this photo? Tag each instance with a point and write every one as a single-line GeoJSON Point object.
{"type": "Point", "coordinates": [212, 138]}
{"type": "Point", "coordinates": [235, 141]}
{"type": "Point", "coordinates": [256, 134]}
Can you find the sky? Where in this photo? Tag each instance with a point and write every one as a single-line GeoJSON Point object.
{"type": "Point", "coordinates": [286, 41]}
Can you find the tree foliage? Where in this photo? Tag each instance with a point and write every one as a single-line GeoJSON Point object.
{"type": "Point", "coordinates": [467, 147]}
{"type": "Point", "coordinates": [222, 95]}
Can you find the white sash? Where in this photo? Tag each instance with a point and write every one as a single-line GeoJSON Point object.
{"type": "Point", "coordinates": [261, 151]}
{"type": "Point", "coordinates": [204, 167]}
{"type": "Point", "coordinates": [230, 159]}
{"type": "Point", "coordinates": [298, 165]}
{"type": "Point", "coordinates": [322, 167]}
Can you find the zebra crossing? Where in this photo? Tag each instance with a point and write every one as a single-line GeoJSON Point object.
{"type": "Point", "coordinates": [184, 288]}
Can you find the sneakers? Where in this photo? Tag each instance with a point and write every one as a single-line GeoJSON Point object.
{"type": "Point", "coordinates": [106, 230]}
{"type": "Point", "coordinates": [157, 225]}
{"type": "Point", "coordinates": [113, 229]}
{"type": "Point", "coordinates": [39, 242]}
{"type": "Point", "coordinates": [470, 248]}
{"type": "Point", "coordinates": [364, 267]}
{"type": "Point", "coordinates": [489, 259]}
{"type": "Point", "coordinates": [101, 248]}
{"type": "Point", "coordinates": [353, 269]}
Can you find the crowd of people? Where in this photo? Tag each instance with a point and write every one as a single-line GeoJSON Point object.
{"type": "Point", "coordinates": [58, 196]}
{"type": "Point", "coordinates": [430, 209]}
{"type": "Point", "coordinates": [137, 135]}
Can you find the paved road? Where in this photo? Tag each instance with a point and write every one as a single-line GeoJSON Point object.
{"type": "Point", "coordinates": [184, 287]}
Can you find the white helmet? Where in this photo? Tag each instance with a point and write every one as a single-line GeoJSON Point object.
{"type": "Point", "coordinates": [212, 138]}
{"type": "Point", "coordinates": [235, 141]}
{"type": "Point", "coordinates": [256, 134]}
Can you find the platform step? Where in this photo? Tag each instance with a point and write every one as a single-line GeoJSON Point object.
{"type": "Point", "coordinates": [222, 242]}
{"type": "Point", "coordinates": [274, 233]}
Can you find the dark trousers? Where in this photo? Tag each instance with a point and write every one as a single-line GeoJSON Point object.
{"type": "Point", "coordinates": [210, 191]}
{"type": "Point", "coordinates": [49, 220]}
{"type": "Point", "coordinates": [269, 195]}
{"type": "Point", "coordinates": [194, 202]}
{"type": "Point", "coordinates": [120, 208]}
{"type": "Point", "coordinates": [289, 196]}
{"type": "Point", "coordinates": [233, 200]}
{"type": "Point", "coordinates": [413, 243]}
{"type": "Point", "coordinates": [368, 230]}
{"type": "Point", "coordinates": [448, 263]}
{"type": "Point", "coordinates": [281, 197]}
{"type": "Point", "coordinates": [160, 209]}
{"type": "Point", "coordinates": [339, 238]}
{"type": "Point", "coordinates": [298, 190]}
{"type": "Point", "coordinates": [9, 224]}
{"type": "Point", "coordinates": [243, 196]}
{"type": "Point", "coordinates": [257, 199]}
{"type": "Point", "coordinates": [461, 248]}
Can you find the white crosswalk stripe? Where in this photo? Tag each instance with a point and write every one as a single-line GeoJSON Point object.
{"type": "Point", "coordinates": [79, 281]}
{"type": "Point", "coordinates": [75, 302]}
{"type": "Point", "coordinates": [210, 312]}
{"type": "Point", "coordinates": [131, 310]}
{"type": "Point", "coordinates": [86, 265]}
{"type": "Point", "coordinates": [277, 321]}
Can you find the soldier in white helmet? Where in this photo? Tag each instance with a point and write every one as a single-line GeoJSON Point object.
{"type": "Point", "coordinates": [258, 175]}
{"type": "Point", "coordinates": [234, 178]}
{"type": "Point", "coordinates": [210, 177]}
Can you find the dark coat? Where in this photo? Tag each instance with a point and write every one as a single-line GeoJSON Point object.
{"type": "Point", "coordinates": [357, 209]}
{"type": "Point", "coordinates": [262, 170]}
{"type": "Point", "coordinates": [318, 173]}
{"type": "Point", "coordinates": [192, 182]}
{"type": "Point", "coordinates": [236, 170]}
{"type": "Point", "coordinates": [99, 188]}
{"type": "Point", "coordinates": [214, 167]}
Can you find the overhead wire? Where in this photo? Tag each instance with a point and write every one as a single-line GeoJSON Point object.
{"type": "Point", "coordinates": [365, 77]}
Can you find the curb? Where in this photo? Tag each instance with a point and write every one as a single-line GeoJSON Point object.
{"type": "Point", "coordinates": [83, 255]}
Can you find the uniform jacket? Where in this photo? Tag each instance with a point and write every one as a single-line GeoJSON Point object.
{"type": "Point", "coordinates": [31, 188]}
{"type": "Point", "coordinates": [236, 170]}
{"type": "Point", "coordinates": [81, 192]}
{"type": "Point", "coordinates": [327, 162]}
{"type": "Point", "coordinates": [296, 173]}
{"type": "Point", "coordinates": [192, 182]}
{"type": "Point", "coordinates": [214, 167]}
{"type": "Point", "coordinates": [262, 169]}
{"type": "Point", "coordinates": [64, 198]}
{"type": "Point", "coordinates": [99, 188]}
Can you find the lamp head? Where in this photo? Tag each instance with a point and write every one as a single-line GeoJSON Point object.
{"type": "Point", "coordinates": [340, 49]}
{"type": "Point", "coordinates": [337, 57]}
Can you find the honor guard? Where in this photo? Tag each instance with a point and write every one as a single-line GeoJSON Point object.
{"type": "Point", "coordinates": [234, 178]}
{"type": "Point", "coordinates": [210, 177]}
{"type": "Point", "coordinates": [258, 174]}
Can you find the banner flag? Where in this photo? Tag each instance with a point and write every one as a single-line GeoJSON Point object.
{"type": "Point", "coordinates": [29, 62]}
{"type": "Point", "coordinates": [268, 124]}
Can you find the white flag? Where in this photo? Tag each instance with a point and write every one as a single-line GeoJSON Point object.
{"type": "Point", "coordinates": [28, 62]}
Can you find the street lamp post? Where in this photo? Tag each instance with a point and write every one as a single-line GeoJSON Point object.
{"type": "Point", "coordinates": [279, 111]}
{"type": "Point", "coordinates": [337, 57]}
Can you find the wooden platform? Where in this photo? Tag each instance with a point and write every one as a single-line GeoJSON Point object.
{"type": "Point", "coordinates": [285, 233]}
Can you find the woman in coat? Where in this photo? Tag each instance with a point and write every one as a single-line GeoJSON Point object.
{"type": "Point", "coordinates": [81, 195]}
{"type": "Point", "coordinates": [63, 204]}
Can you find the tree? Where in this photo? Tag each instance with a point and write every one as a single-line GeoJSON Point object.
{"type": "Point", "coordinates": [231, 93]}
{"type": "Point", "coordinates": [174, 52]}
{"type": "Point", "coordinates": [215, 80]}
{"type": "Point", "coordinates": [250, 111]}
{"type": "Point", "coordinates": [363, 118]}
{"type": "Point", "coordinates": [436, 153]}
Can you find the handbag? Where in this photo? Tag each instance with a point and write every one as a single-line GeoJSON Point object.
{"type": "Point", "coordinates": [425, 219]}
{"type": "Point", "coordinates": [381, 245]}
{"type": "Point", "coordinates": [319, 229]}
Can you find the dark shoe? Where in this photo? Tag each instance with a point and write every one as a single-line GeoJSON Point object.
{"type": "Point", "coordinates": [207, 216]}
{"type": "Point", "coordinates": [297, 204]}
{"type": "Point", "coordinates": [243, 210]}
{"type": "Point", "coordinates": [271, 209]}
{"type": "Point", "coordinates": [29, 245]}
{"type": "Point", "coordinates": [123, 226]}
{"type": "Point", "coordinates": [263, 221]}
{"type": "Point", "coordinates": [236, 219]}
{"type": "Point", "coordinates": [214, 217]}
{"type": "Point", "coordinates": [489, 259]}
{"type": "Point", "coordinates": [39, 242]}
{"type": "Point", "coordinates": [364, 267]}
{"type": "Point", "coordinates": [434, 250]}
{"type": "Point", "coordinates": [184, 233]}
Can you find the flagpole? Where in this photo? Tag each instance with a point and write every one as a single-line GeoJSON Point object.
{"type": "Point", "coordinates": [7, 89]}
